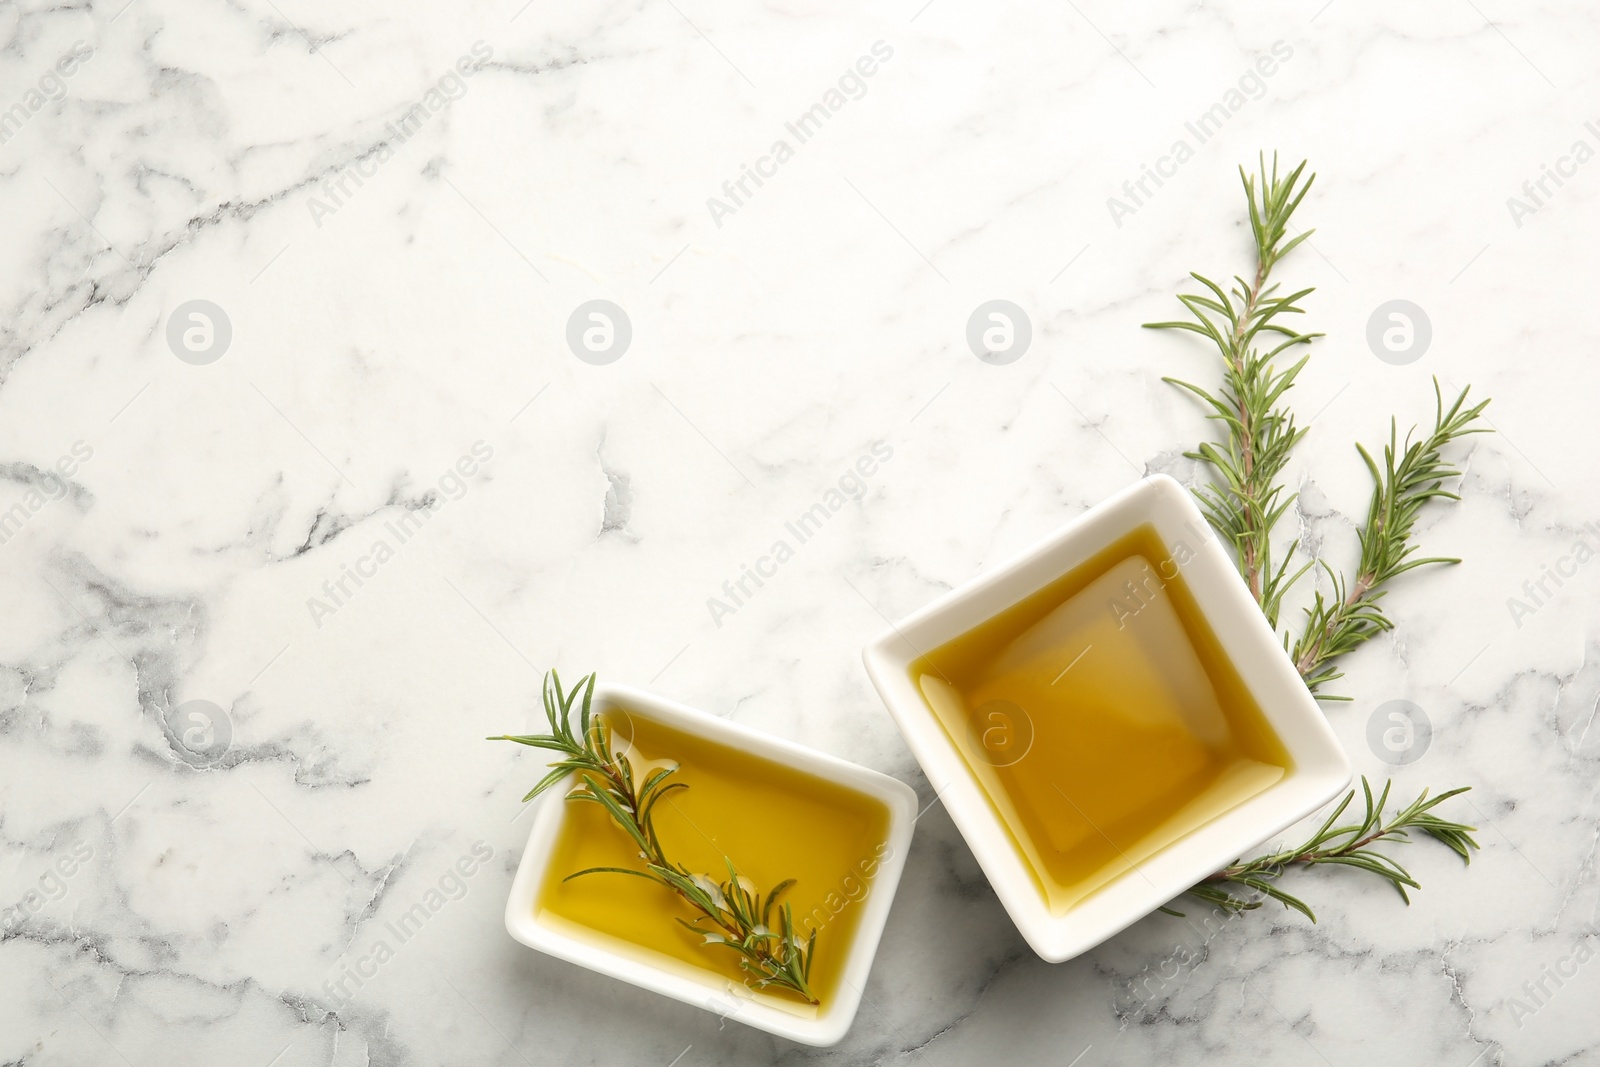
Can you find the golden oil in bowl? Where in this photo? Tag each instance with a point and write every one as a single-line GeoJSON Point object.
{"type": "Point", "coordinates": [1101, 717]}
{"type": "Point", "coordinates": [773, 821]}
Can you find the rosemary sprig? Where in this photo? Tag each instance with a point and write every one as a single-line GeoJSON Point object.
{"type": "Point", "coordinates": [1246, 501]}
{"type": "Point", "coordinates": [1408, 479]}
{"type": "Point", "coordinates": [732, 913]}
{"type": "Point", "coordinates": [1349, 845]}
{"type": "Point", "coordinates": [1260, 431]}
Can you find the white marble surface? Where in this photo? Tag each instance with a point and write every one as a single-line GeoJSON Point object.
{"type": "Point", "coordinates": [379, 333]}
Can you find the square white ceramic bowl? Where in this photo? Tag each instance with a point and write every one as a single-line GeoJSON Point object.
{"type": "Point", "coordinates": [1320, 768]}
{"type": "Point", "coordinates": [702, 988]}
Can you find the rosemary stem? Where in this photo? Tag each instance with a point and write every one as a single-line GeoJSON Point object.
{"type": "Point", "coordinates": [738, 915]}
{"type": "Point", "coordinates": [1249, 562]}
{"type": "Point", "coordinates": [612, 777]}
{"type": "Point", "coordinates": [1245, 498]}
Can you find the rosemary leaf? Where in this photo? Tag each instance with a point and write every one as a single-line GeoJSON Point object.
{"type": "Point", "coordinates": [731, 910]}
{"type": "Point", "coordinates": [1245, 498]}
{"type": "Point", "coordinates": [1347, 845]}
{"type": "Point", "coordinates": [1409, 477]}
{"type": "Point", "coordinates": [1259, 432]}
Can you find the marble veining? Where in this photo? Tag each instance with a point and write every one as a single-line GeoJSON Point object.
{"type": "Point", "coordinates": [274, 571]}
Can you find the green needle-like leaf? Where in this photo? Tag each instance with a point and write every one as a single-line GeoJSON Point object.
{"type": "Point", "coordinates": [1348, 846]}
{"type": "Point", "coordinates": [1244, 499]}
{"type": "Point", "coordinates": [732, 910]}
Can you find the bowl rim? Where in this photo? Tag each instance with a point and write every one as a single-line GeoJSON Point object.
{"type": "Point", "coordinates": [1320, 771]}
{"type": "Point", "coordinates": [708, 991]}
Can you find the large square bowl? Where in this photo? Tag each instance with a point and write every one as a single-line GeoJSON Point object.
{"type": "Point", "coordinates": [1319, 768]}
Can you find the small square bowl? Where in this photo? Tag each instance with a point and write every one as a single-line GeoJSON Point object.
{"type": "Point", "coordinates": [1319, 769]}
{"type": "Point", "coordinates": [692, 985]}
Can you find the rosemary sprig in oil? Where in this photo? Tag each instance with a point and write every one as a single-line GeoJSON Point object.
{"type": "Point", "coordinates": [1246, 500]}
{"type": "Point", "coordinates": [731, 912]}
